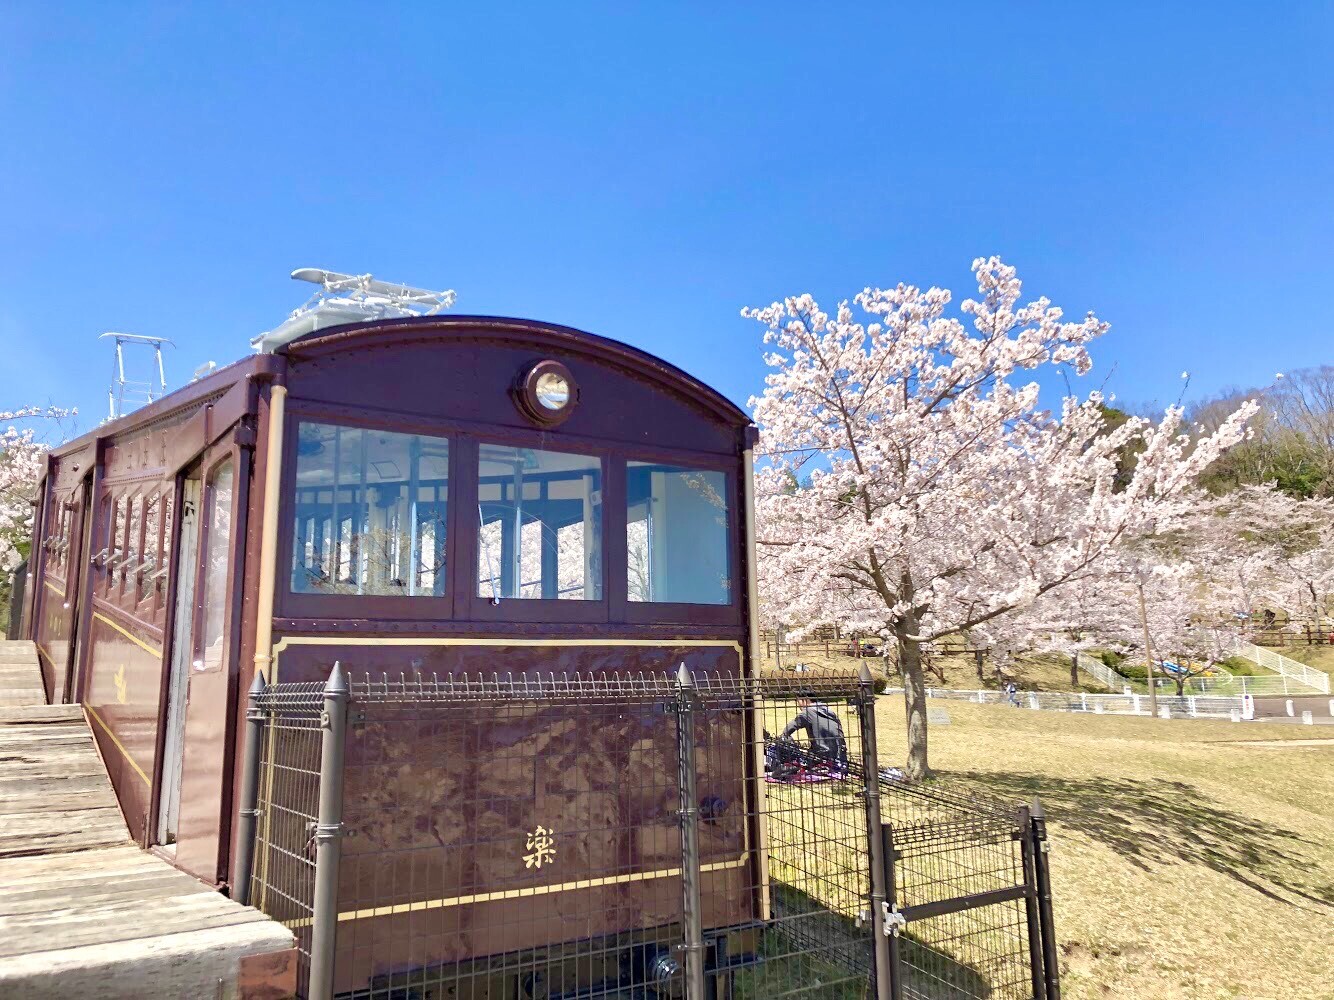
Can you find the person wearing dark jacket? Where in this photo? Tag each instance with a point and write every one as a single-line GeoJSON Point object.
{"type": "Point", "coordinates": [828, 745]}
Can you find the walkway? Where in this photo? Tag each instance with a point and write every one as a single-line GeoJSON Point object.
{"type": "Point", "coordinates": [84, 912]}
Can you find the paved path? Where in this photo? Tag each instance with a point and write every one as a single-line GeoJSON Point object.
{"type": "Point", "coordinates": [84, 912]}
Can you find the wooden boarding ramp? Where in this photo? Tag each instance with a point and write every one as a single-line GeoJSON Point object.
{"type": "Point", "coordinates": [84, 912]}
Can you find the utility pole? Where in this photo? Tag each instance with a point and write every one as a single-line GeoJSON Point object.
{"type": "Point", "coordinates": [1148, 652]}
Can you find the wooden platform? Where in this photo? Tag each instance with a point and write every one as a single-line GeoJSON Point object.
{"type": "Point", "coordinates": [84, 912]}
{"type": "Point", "coordinates": [20, 677]}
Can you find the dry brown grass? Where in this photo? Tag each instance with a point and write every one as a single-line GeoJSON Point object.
{"type": "Point", "coordinates": [1186, 862]}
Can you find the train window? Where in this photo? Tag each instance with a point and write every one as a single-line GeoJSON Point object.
{"type": "Point", "coordinates": [676, 535]}
{"type": "Point", "coordinates": [370, 512]}
{"type": "Point", "coordinates": [120, 534]}
{"type": "Point", "coordinates": [101, 545]}
{"type": "Point", "coordinates": [217, 556]}
{"type": "Point", "coordinates": [159, 574]}
{"type": "Point", "coordinates": [130, 546]}
{"type": "Point", "coordinates": [148, 563]}
{"type": "Point", "coordinates": [539, 524]}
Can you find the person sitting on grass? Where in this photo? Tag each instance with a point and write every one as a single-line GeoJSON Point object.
{"type": "Point", "coordinates": [827, 751]}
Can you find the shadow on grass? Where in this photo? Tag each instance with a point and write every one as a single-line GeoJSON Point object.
{"type": "Point", "coordinates": [1169, 821]}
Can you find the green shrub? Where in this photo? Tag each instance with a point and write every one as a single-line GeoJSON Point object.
{"type": "Point", "coordinates": [1112, 658]}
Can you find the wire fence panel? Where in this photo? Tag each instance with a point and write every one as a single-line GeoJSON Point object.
{"type": "Point", "coordinates": [807, 819]}
{"type": "Point", "coordinates": [283, 880]}
{"type": "Point", "coordinates": [561, 838]}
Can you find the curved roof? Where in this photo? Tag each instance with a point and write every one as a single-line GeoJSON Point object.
{"type": "Point", "coordinates": [638, 363]}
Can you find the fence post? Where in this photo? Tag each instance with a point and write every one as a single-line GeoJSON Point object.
{"type": "Point", "coordinates": [886, 970]}
{"type": "Point", "coordinates": [249, 811]}
{"type": "Point", "coordinates": [1031, 910]}
{"type": "Point", "coordinates": [328, 835]}
{"type": "Point", "coordinates": [1051, 969]}
{"type": "Point", "coordinates": [894, 960]}
{"type": "Point", "coordinates": [693, 917]}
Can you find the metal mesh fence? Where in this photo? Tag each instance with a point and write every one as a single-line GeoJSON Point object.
{"type": "Point", "coordinates": [283, 878]}
{"type": "Point", "coordinates": [554, 838]}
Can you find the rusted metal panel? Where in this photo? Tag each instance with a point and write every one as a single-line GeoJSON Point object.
{"type": "Point", "coordinates": [271, 976]}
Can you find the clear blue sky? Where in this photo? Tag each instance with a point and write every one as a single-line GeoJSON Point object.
{"type": "Point", "coordinates": [643, 171]}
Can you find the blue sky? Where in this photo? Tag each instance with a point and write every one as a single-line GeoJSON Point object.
{"type": "Point", "coordinates": [643, 171]}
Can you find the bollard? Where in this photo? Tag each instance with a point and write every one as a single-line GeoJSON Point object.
{"type": "Point", "coordinates": [328, 835]}
{"type": "Point", "coordinates": [1308, 719]}
{"type": "Point", "coordinates": [1235, 715]}
{"type": "Point", "coordinates": [249, 811]}
{"type": "Point", "coordinates": [1164, 712]}
{"type": "Point", "coordinates": [1099, 708]}
{"type": "Point", "coordinates": [1288, 706]}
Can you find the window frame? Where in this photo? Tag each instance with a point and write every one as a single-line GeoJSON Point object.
{"type": "Point", "coordinates": [290, 603]}
{"type": "Point", "coordinates": [460, 605]}
{"type": "Point", "coordinates": [676, 612]}
{"type": "Point", "coordinates": [545, 610]}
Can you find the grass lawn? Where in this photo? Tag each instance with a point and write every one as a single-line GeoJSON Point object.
{"type": "Point", "coordinates": [1190, 859]}
{"type": "Point", "coordinates": [1042, 672]}
{"type": "Point", "coordinates": [1320, 657]}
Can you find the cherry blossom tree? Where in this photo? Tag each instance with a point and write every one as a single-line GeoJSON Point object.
{"type": "Point", "coordinates": [1093, 610]}
{"type": "Point", "coordinates": [934, 487]}
{"type": "Point", "coordinates": [24, 441]}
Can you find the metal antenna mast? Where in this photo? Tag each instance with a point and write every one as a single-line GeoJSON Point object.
{"type": "Point", "coordinates": [135, 392]}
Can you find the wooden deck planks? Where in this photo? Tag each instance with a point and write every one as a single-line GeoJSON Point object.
{"type": "Point", "coordinates": [20, 675]}
{"type": "Point", "coordinates": [54, 793]}
{"type": "Point", "coordinates": [83, 910]}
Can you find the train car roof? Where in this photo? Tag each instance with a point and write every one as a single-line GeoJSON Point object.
{"type": "Point", "coordinates": [384, 332]}
{"type": "Point", "coordinates": [380, 333]}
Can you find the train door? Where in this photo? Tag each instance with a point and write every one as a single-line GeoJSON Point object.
{"type": "Point", "coordinates": [61, 564]}
{"type": "Point", "coordinates": [80, 544]}
{"type": "Point", "coordinates": [186, 559]}
{"type": "Point", "coordinates": [204, 672]}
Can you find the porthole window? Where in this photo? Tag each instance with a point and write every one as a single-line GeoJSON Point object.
{"type": "Point", "coordinates": [546, 393]}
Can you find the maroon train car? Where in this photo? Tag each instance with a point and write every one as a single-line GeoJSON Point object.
{"type": "Point", "coordinates": [402, 494]}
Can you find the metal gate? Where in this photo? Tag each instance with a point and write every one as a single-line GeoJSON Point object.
{"type": "Point", "coordinates": [561, 838]}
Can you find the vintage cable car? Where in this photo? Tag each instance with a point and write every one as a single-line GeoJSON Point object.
{"type": "Point", "coordinates": [430, 493]}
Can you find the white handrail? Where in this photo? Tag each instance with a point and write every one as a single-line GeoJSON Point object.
{"type": "Point", "coordinates": [1277, 662]}
{"type": "Point", "coordinates": [1100, 672]}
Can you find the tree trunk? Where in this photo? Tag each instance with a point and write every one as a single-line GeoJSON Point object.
{"type": "Point", "coordinates": [917, 766]}
{"type": "Point", "coordinates": [1074, 671]}
{"type": "Point", "coordinates": [977, 658]}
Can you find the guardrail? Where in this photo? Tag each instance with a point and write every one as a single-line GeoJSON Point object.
{"type": "Point", "coordinates": [1284, 666]}
{"type": "Point", "coordinates": [1169, 706]}
{"type": "Point", "coordinates": [1102, 673]}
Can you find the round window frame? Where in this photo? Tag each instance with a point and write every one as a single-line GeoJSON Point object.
{"type": "Point", "coordinates": [525, 392]}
